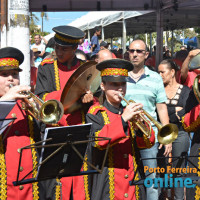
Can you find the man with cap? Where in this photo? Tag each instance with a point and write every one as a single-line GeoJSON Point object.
{"type": "Point", "coordinates": [113, 120]}
{"type": "Point", "coordinates": [22, 130]}
{"type": "Point", "coordinates": [52, 77]}
{"type": "Point", "coordinates": [104, 46]}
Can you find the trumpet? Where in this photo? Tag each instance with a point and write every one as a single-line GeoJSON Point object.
{"type": "Point", "coordinates": [166, 134]}
{"type": "Point", "coordinates": [49, 112]}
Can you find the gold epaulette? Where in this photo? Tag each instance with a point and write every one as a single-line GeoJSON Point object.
{"type": "Point", "coordinates": [194, 126]}
{"type": "Point", "coordinates": [47, 61]}
{"type": "Point", "coordinates": [94, 109]}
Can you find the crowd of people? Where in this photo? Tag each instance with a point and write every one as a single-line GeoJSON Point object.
{"type": "Point", "coordinates": [167, 95]}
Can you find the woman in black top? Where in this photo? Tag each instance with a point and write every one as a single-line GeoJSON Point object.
{"type": "Point", "coordinates": [177, 96]}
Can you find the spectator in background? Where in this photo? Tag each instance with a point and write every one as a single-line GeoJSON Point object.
{"type": "Point", "coordinates": [40, 47]}
{"type": "Point", "coordinates": [38, 44]}
{"type": "Point", "coordinates": [104, 54]}
{"type": "Point", "coordinates": [167, 54]}
{"type": "Point", "coordinates": [187, 77]}
{"type": "Point", "coordinates": [37, 59]}
{"type": "Point", "coordinates": [81, 55]}
{"type": "Point", "coordinates": [177, 96]}
{"type": "Point", "coordinates": [95, 47]}
{"type": "Point", "coordinates": [183, 47]}
{"type": "Point", "coordinates": [126, 56]}
{"type": "Point", "coordinates": [105, 45]}
{"type": "Point", "coordinates": [49, 50]}
{"type": "Point", "coordinates": [84, 45]}
{"type": "Point", "coordinates": [146, 86]}
{"type": "Point", "coordinates": [33, 71]}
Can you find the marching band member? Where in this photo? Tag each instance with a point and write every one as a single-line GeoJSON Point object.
{"type": "Point", "coordinates": [21, 132]}
{"type": "Point", "coordinates": [191, 123]}
{"type": "Point", "coordinates": [52, 77]}
{"type": "Point", "coordinates": [112, 120]}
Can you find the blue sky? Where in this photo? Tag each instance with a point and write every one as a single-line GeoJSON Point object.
{"type": "Point", "coordinates": [58, 18]}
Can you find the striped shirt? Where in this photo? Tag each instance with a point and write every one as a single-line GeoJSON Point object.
{"type": "Point", "coordinates": [148, 90]}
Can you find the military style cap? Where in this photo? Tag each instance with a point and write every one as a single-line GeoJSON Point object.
{"type": "Point", "coordinates": [115, 70]}
{"type": "Point", "coordinates": [104, 44]}
{"type": "Point", "coordinates": [10, 58]}
{"type": "Point", "coordinates": [67, 35]}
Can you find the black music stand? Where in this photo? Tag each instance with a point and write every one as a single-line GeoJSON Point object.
{"type": "Point", "coordinates": [63, 152]}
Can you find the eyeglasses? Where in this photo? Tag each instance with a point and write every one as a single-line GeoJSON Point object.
{"type": "Point", "coordinates": [137, 50]}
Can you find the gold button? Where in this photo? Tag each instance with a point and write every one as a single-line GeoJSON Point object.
{"type": "Point", "coordinates": [21, 169]}
{"type": "Point", "coordinates": [13, 115]}
{"type": "Point", "coordinates": [21, 187]}
{"type": "Point", "coordinates": [126, 195]}
{"type": "Point", "coordinates": [125, 156]}
{"type": "Point", "coordinates": [126, 176]}
{"type": "Point", "coordinates": [16, 132]}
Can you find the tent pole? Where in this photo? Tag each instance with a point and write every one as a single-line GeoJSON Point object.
{"type": "Point", "coordinates": [172, 47]}
{"type": "Point", "coordinates": [88, 35]}
{"type": "Point", "coordinates": [159, 39]}
{"type": "Point", "coordinates": [102, 33]}
{"type": "Point", "coordinates": [150, 44]}
{"type": "Point", "coordinates": [124, 36]}
{"type": "Point", "coordinates": [146, 39]}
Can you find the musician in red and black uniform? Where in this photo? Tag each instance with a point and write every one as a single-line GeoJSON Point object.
{"type": "Point", "coordinates": [52, 77]}
{"type": "Point", "coordinates": [21, 132]}
{"type": "Point", "coordinates": [191, 123]}
{"type": "Point", "coordinates": [113, 120]}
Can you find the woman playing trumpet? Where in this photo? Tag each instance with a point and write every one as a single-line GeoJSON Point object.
{"type": "Point", "coordinates": [22, 131]}
{"type": "Point", "coordinates": [112, 120]}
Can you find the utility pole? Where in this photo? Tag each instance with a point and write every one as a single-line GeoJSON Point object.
{"type": "Point", "coordinates": [4, 14]}
{"type": "Point", "coordinates": [18, 34]}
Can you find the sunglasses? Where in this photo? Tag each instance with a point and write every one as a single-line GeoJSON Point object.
{"type": "Point", "coordinates": [137, 50]}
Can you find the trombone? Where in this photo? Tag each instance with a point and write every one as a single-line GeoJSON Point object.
{"type": "Point", "coordinates": [49, 112]}
{"type": "Point", "coordinates": [166, 134]}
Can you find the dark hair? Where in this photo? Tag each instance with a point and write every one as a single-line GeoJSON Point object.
{"type": "Point", "coordinates": [37, 35]}
{"type": "Point", "coordinates": [80, 52]}
{"type": "Point", "coordinates": [51, 43]}
{"type": "Point", "coordinates": [146, 48]}
{"type": "Point", "coordinates": [96, 29]}
{"type": "Point", "coordinates": [181, 55]}
{"type": "Point", "coordinates": [171, 64]}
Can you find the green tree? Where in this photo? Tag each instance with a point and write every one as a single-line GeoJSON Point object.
{"type": "Point", "coordinates": [44, 15]}
{"type": "Point", "coordinates": [32, 23]}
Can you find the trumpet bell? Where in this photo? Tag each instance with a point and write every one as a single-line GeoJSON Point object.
{"type": "Point", "coordinates": [51, 111]}
{"type": "Point", "coordinates": [167, 134]}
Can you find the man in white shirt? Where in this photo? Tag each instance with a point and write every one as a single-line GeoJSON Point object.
{"type": "Point", "coordinates": [39, 46]}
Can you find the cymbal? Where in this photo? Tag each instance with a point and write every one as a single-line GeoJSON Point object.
{"type": "Point", "coordinates": [85, 78]}
{"type": "Point", "coordinates": [195, 62]}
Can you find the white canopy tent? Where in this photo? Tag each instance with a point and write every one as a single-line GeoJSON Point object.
{"type": "Point", "coordinates": [103, 19]}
